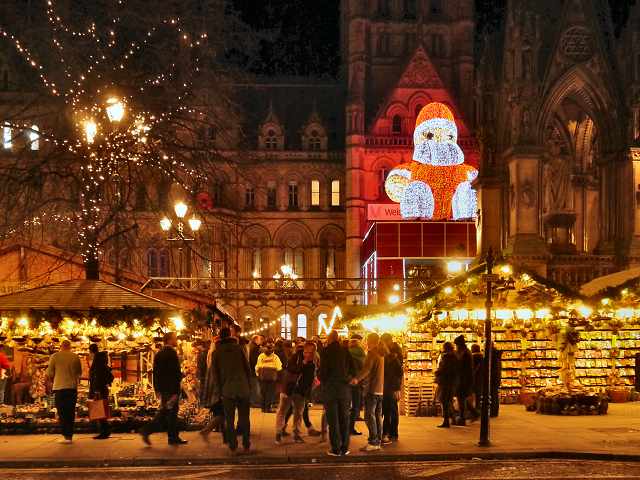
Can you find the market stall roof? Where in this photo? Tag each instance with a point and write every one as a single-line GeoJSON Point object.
{"type": "Point", "coordinates": [611, 281]}
{"type": "Point", "coordinates": [81, 295]}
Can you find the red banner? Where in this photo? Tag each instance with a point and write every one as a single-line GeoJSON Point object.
{"type": "Point", "coordinates": [383, 211]}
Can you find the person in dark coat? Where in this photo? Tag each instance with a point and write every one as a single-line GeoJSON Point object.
{"type": "Point", "coordinates": [465, 377]}
{"type": "Point", "coordinates": [254, 352]}
{"type": "Point", "coordinates": [335, 374]}
{"type": "Point", "coordinates": [201, 368]}
{"type": "Point", "coordinates": [100, 378]}
{"type": "Point", "coordinates": [496, 379]}
{"type": "Point", "coordinates": [478, 379]}
{"type": "Point", "coordinates": [211, 398]}
{"type": "Point", "coordinates": [446, 377]}
{"type": "Point", "coordinates": [167, 377]}
{"type": "Point", "coordinates": [358, 355]}
{"type": "Point", "coordinates": [232, 373]}
{"type": "Point", "coordinates": [392, 389]}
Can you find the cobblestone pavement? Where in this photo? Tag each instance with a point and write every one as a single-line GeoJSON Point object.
{"type": "Point", "coordinates": [471, 470]}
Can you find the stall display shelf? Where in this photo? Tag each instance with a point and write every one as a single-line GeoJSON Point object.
{"type": "Point", "coordinates": [534, 361]}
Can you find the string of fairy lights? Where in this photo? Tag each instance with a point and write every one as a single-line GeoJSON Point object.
{"type": "Point", "coordinates": [89, 89]}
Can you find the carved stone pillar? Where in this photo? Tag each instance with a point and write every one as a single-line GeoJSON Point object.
{"type": "Point", "coordinates": [490, 214]}
{"type": "Point", "coordinates": [524, 201]}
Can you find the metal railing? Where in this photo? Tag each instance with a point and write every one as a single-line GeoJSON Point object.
{"type": "Point", "coordinates": [298, 287]}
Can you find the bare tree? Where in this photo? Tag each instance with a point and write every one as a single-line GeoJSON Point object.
{"type": "Point", "coordinates": [115, 95]}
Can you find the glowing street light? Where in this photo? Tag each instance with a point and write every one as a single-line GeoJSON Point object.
{"type": "Point", "coordinates": [181, 209]}
{"type": "Point", "coordinates": [90, 130]}
{"type": "Point", "coordinates": [195, 223]}
{"type": "Point", "coordinates": [165, 224]}
{"type": "Point", "coordinates": [454, 266]}
{"type": "Point", "coordinates": [115, 109]}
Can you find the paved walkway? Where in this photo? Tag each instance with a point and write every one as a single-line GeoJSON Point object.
{"type": "Point", "coordinates": [515, 434]}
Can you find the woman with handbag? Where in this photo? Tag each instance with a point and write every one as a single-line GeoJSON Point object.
{"type": "Point", "coordinates": [267, 369]}
{"type": "Point", "coordinates": [100, 378]}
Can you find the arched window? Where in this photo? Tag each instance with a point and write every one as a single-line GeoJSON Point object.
{"type": "Point", "coordinates": [152, 262]}
{"type": "Point", "coordinates": [256, 266]}
{"type": "Point", "coordinates": [396, 125]}
{"type": "Point", "coordinates": [33, 137]}
{"type": "Point", "coordinates": [314, 141]}
{"type": "Point", "coordinates": [163, 263]}
{"type": "Point", "coordinates": [315, 193]}
{"type": "Point", "coordinates": [271, 141]}
{"type": "Point", "coordinates": [249, 198]}
{"type": "Point", "coordinates": [302, 325]}
{"type": "Point", "coordinates": [335, 193]}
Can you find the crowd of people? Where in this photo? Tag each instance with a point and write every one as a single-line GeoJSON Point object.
{"type": "Point", "coordinates": [284, 377]}
{"type": "Point", "coordinates": [459, 376]}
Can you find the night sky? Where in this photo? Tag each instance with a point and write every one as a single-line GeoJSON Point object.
{"type": "Point", "coordinates": [302, 37]}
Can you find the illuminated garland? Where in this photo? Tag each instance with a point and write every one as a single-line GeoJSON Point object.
{"type": "Point", "coordinates": [86, 83]}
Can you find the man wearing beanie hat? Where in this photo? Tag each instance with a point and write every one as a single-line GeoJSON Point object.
{"type": "Point", "coordinates": [465, 375]}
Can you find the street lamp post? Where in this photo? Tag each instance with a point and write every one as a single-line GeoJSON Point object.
{"type": "Point", "coordinates": [285, 278]}
{"type": "Point", "coordinates": [180, 209]}
{"type": "Point", "coordinates": [488, 352]}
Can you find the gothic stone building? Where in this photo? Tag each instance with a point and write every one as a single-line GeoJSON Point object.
{"type": "Point", "coordinates": [546, 107]}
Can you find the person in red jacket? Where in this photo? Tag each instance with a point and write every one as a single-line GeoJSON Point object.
{"type": "Point", "coordinates": [4, 373]}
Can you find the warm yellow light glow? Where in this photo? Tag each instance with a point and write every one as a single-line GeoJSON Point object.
{"type": "Point", "coordinates": [524, 313]}
{"type": "Point", "coordinates": [394, 298]}
{"type": "Point", "coordinates": [584, 311]}
{"type": "Point", "coordinates": [195, 223]}
{"type": "Point", "coordinates": [448, 290]}
{"type": "Point", "coordinates": [23, 322]}
{"type": "Point", "coordinates": [459, 314]}
{"type": "Point", "coordinates": [454, 266]}
{"type": "Point", "coordinates": [181, 209]}
{"type": "Point", "coordinates": [165, 224]}
{"type": "Point", "coordinates": [624, 313]}
{"type": "Point", "coordinates": [506, 269]}
{"type": "Point", "coordinates": [115, 109]}
{"type": "Point", "coordinates": [480, 314]}
{"type": "Point", "coordinates": [625, 292]}
{"type": "Point", "coordinates": [525, 277]}
{"type": "Point", "coordinates": [178, 323]}
{"type": "Point", "coordinates": [90, 130]}
{"type": "Point", "coordinates": [543, 313]}
{"type": "Point", "coordinates": [504, 314]}
{"type": "Point", "coordinates": [387, 323]}
{"type": "Point", "coordinates": [293, 276]}
{"type": "Point", "coordinates": [255, 274]}
{"type": "Point", "coordinates": [396, 287]}
{"type": "Point", "coordinates": [605, 301]}
{"type": "Point", "coordinates": [286, 270]}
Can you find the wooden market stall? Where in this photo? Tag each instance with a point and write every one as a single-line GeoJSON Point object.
{"type": "Point", "coordinates": [560, 352]}
{"type": "Point", "coordinates": [126, 324]}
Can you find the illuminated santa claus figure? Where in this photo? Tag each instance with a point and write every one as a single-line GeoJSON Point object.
{"type": "Point", "coordinates": [437, 183]}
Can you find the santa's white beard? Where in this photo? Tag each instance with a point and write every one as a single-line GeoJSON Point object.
{"type": "Point", "coordinates": [431, 152]}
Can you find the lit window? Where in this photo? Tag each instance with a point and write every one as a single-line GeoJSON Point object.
{"type": "Point", "coordinates": [34, 137]}
{"type": "Point", "coordinates": [302, 325]}
{"type": "Point", "coordinates": [315, 193]}
{"type": "Point", "coordinates": [256, 264]}
{"type": "Point", "coordinates": [330, 263]}
{"type": "Point", "coordinates": [285, 326]}
{"type": "Point", "coordinates": [6, 136]}
{"type": "Point", "coordinates": [293, 195]}
{"type": "Point", "coordinates": [335, 193]}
